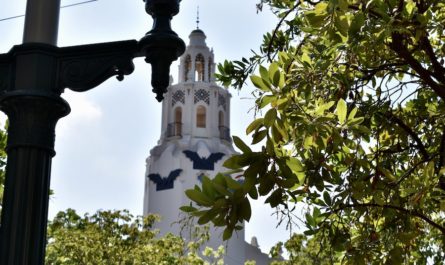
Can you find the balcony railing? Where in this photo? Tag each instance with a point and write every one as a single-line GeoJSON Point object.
{"type": "Point", "coordinates": [224, 133]}
{"type": "Point", "coordinates": [174, 129]}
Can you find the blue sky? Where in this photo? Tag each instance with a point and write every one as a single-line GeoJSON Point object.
{"type": "Point", "coordinates": [102, 145]}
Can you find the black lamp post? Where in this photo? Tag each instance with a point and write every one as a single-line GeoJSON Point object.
{"type": "Point", "coordinates": [32, 77]}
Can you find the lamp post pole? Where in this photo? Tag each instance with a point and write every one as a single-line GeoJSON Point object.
{"type": "Point", "coordinates": [32, 77]}
{"type": "Point", "coordinates": [42, 21]}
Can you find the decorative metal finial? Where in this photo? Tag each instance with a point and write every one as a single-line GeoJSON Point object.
{"type": "Point", "coordinates": [197, 18]}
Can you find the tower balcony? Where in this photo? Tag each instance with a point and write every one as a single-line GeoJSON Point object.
{"type": "Point", "coordinates": [224, 133]}
{"type": "Point", "coordinates": [174, 129]}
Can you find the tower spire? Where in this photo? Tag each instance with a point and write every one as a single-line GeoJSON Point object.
{"type": "Point", "coordinates": [197, 18]}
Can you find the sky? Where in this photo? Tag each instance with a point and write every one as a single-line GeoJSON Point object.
{"type": "Point", "coordinates": [103, 143]}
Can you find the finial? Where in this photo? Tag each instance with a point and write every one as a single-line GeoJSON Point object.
{"type": "Point", "coordinates": [197, 18]}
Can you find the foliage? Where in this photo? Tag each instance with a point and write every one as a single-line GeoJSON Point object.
{"type": "Point", "coordinates": [3, 138]}
{"type": "Point", "coordinates": [352, 93]}
{"type": "Point", "coordinates": [304, 251]}
{"type": "Point", "coordinates": [116, 237]}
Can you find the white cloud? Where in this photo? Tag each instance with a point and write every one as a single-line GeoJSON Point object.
{"type": "Point", "coordinates": [83, 112]}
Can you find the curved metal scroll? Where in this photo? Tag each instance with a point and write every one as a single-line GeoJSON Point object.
{"type": "Point", "coordinates": [80, 70]}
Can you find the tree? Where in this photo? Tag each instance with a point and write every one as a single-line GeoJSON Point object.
{"type": "Point", "coordinates": [115, 237]}
{"type": "Point", "coordinates": [352, 93]}
{"type": "Point", "coordinates": [304, 251]}
{"type": "Point", "coordinates": [3, 137]}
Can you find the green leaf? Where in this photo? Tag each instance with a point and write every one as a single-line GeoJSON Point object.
{"type": "Point", "coordinates": [232, 162]}
{"type": "Point", "coordinates": [270, 117]}
{"type": "Point", "coordinates": [321, 8]}
{"type": "Point", "coordinates": [245, 210]}
{"type": "Point", "coordinates": [356, 24]}
{"type": "Point", "coordinates": [352, 114]}
{"type": "Point", "coordinates": [275, 198]}
{"type": "Point", "coordinates": [355, 121]}
{"type": "Point", "coordinates": [342, 25]}
{"type": "Point", "coordinates": [188, 209]}
{"type": "Point", "coordinates": [227, 234]}
{"type": "Point", "coordinates": [254, 125]}
{"type": "Point", "coordinates": [274, 73]}
{"type": "Point", "coordinates": [199, 197]}
{"type": "Point", "coordinates": [294, 164]}
{"type": "Point", "coordinates": [327, 198]}
{"type": "Point", "coordinates": [231, 183]}
{"type": "Point", "coordinates": [266, 100]}
{"type": "Point", "coordinates": [259, 136]}
{"type": "Point", "coordinates": [341, 111]}
{"type": "Point", "coordinates": [253, 193]}
{"type": "Point", "coordinates": [388, 174]}
{"type": "Point", "coordinates": [305, 58]}
{"type": "Point", "coordinates": [310, 221]}
{"type": "Point", "coordinates": [264, 73]}
{"type": "Point", "coordinates": [258, 82]}
{"type": "Point", "coordinates": [207, 217]}
{"type": "Point", "coordinates": [207, 187]}
{"type": "Point", "coordinates": [221, 189]}
{"type": "Point", "coordinates": [241, 145]}
{"type": "Point", "coordinates": [429, 170]}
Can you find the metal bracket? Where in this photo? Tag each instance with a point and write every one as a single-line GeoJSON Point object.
{"type": "Point", "coordinates": [84, 67]}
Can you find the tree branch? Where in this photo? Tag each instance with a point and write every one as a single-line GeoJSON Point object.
{"type": "Point", "coordinates": [414, 167]}
{"type": "Point", "coordinates": [399, 48]}
{"type": "Point", "coordinates": [394, 207]}
{"type": "Point", "coordinates": [274, 34]}
{"type": "Point", "coordinates": [410, 132]}
{"type": "Point", "coordinates": [439, 70]}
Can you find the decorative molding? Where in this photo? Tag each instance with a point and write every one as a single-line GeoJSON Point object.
{"type": "Point", "coordinates": [178, 96]}
{"type": "Point", "coordinates": [201, 162]}
{"type": "Point", "coordinates": [202, 95]}
{"type": "Point", "coordinates": [165, 183]}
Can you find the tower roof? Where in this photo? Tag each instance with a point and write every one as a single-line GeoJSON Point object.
{"type": "Point", "coordinates": [197, 38]}
{"type": "Point", "coordinates": [198, 31]}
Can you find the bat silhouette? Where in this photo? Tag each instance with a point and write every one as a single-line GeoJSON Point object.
{"type": "Point", "coordinates": [165, 183]}
{"type": "Point", "coordinates": [201, 162]}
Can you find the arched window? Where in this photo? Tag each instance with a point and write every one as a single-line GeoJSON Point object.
{"type": "Point", "coordinates": [221, 119]}
{"type": "Point", "coordinates": [178, 121]}
{"type": "Point", "coordinates": [187, 67]}
{"type": "Point", "coordinates": [201, 117]}
{"type": "Point", "coordinates": [199, 68]}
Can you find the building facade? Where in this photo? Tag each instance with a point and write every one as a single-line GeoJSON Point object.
{"type": "Point", "coordinates": [195, 141]}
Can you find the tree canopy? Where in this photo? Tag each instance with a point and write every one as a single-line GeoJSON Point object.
{"type": "Point", "coordinates": [350, 122]}
{"type": "Point", "coordinates": [116, 237]}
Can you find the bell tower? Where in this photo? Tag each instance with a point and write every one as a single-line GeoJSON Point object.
{"type": "Point", "coordinates": [195, 141]}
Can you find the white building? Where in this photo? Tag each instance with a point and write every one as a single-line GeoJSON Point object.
{"type": "Point", "coordinates": [195, 140]}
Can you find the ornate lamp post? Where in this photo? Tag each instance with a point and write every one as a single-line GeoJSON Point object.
{"type": "Point", "coordinates": [32, 77]}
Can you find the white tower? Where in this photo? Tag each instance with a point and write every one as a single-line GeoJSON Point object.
{"type": "Point", "coordinates": [195, 140]}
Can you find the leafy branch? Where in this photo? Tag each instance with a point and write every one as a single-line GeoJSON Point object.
{"type": "Point", "coordinates": [393, 207]}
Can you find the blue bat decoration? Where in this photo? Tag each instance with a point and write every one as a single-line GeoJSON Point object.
{"type": "Point", "coordinates": [201, 162]}
{"type": "Point", "coordinates": [165, 183]}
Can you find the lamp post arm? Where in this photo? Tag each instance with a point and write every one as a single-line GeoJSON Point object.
{"type": "Point", "coordinates": [84, 67]}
